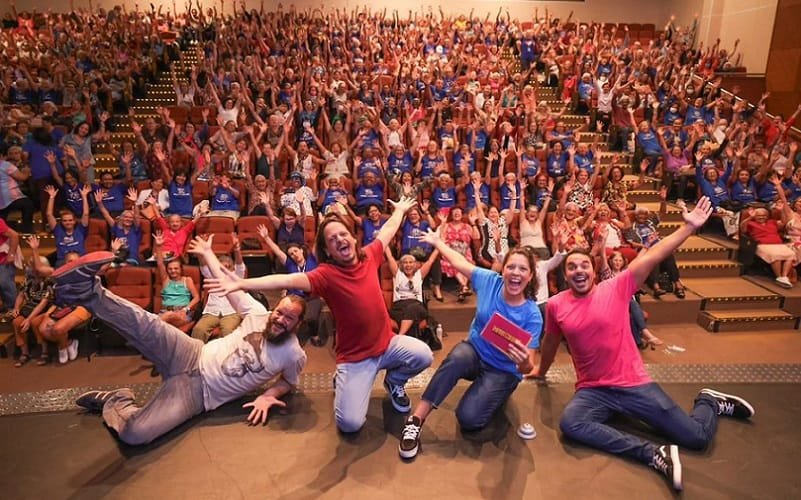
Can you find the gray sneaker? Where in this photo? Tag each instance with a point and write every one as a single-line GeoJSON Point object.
{"type": "Point", "coordinates": [94, 401]}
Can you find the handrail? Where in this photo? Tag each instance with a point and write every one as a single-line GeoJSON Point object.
{"type": "Point", "coordinates": [796, 132]}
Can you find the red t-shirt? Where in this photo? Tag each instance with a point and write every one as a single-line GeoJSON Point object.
{"type": "Point", "coordinates": [175, 242]}
{"type": "Point", "coordinates": [598, 332]}
{"type": "Point", "coordinates": [764, 234]}
{"type": "Point", "coordinates": [354, 296]}
{"type": "Point", "coordinates": [3, 239]}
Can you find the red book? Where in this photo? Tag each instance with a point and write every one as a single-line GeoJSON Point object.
{"type": "Point", "coordinates": [500, 332]}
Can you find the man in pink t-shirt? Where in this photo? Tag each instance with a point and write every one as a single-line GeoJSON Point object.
{"type": "Point", "coordinates": [347, 279]}
{"type": "Point", "coordinates": [611, 377]}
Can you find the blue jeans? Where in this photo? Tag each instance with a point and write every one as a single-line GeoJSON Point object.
{"type": "Point", "coordinates": [585, 416]}
{"type": "Point", "coordinates": [488, 392]}
{"type": "Point", "coordinates": [175, 355]}
{"type": "Point", "coordinates": [404, 358]}
{"type": "Point", "coordinates": [8, 288]}
{"type": "Point", "coordinates": [637, 320]}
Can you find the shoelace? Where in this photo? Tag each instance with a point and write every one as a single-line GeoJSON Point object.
{"type": "Point", "coordinates": [659, 463]}
{"type": "Point", "coordinates": [411, 431]}
{"type": "Point", "coordinates": [725, 408]}
{"type": "Point", "coordinates": [398, 391]}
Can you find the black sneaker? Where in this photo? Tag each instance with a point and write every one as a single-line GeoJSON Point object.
{"type": "Point", "coordinates": [397, 393]}
{"type": "Point", "coordinates": [410, 439]}
{"type": "Point", "coordinates": [93, 401]}
{"type": "Point", "coordinates": [730, 405]}
{"type": "Point", "coordinates": [666, 460]}
{"type": "Point", "coordinates": [83, 269]}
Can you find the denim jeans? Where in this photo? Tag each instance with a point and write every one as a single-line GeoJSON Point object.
{"type": "Point", "coordinates": [585, 416]}
{"type": "Point", "coordinates": [637, 320]}
{"type": "Point", "coordinates": [488, 392]}
{"type": "Point", "coordinates": [8, 288]}
{"type": "Point", "coordinates": [404, 358]}
{"type": "Point", "coordinates": [176, 357]}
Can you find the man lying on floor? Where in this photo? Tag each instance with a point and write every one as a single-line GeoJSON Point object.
{"type": "Point", "coordinates": [197, 377]}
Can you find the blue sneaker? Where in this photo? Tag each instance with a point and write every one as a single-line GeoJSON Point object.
{"type": "Point", "coordinates": [82, 269]}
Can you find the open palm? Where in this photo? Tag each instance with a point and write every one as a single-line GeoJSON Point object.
{"type": "Point", "coordinates": [699, 215]}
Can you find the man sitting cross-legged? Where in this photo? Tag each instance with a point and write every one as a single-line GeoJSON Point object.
{"type": "Point", "coordinates": [593, 318]}
{"type": "Point", "coordinates": [197, 377]}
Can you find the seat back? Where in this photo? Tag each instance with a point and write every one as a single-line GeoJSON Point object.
{"type": "Point", "coordinates": [132, 283]}
{"type": "Point", "coordinates": [96, 235]}
{"type": "Point", "coordinates": [249, 239]}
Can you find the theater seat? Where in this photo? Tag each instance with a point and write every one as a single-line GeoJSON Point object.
{"type": "Point", "coordinates": [96, 236]}
{"type": "Point", "coordinates": [132, 283]}
{"type": "Point", "coordinates": [247, 231]}
{"type": "Point", "coordinates": [223, 229]}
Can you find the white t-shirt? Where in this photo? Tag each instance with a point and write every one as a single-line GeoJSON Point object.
{"type": "Point", "coordinates": [405, 288]}
{"type": "Point", "coordinates": [337, 165]}
{"type": "Point", "coordinates": [241, 362]}
{"type": "Point", "coordinates": [543, 268]}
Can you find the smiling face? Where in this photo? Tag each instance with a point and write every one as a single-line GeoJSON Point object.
{"type": "Point", "coordinates": [174, 270]}
{"type": "Point", "coordinates": [517, 273]}
{"type": "Point", "coordinates": [579, 273]}
{"type": "Point", "coordinates": [340, 244]}
{"type": "Point", "coordinates": [284, 319]}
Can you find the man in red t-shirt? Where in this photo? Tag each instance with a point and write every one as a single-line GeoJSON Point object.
{"type": "Point", "coordinates": [611, 377]}
{"type": "Point", "coordinates": [347, 278]}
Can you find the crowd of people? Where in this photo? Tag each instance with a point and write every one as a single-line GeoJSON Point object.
{"type": "Point", "coordinates": [331, 119]}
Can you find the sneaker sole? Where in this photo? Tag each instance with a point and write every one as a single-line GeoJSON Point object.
{"type": "Point", "coordinates": [714, 393]}
{"type": "Point", "coordinates": [674, 457]}
{"type": "Point", "coordinates": [77, 264]}
{"type": "Point", "coordinates": [408, 454]}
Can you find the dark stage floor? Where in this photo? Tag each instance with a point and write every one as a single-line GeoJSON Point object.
{"type": "Point", "coordinates": [300, 455]}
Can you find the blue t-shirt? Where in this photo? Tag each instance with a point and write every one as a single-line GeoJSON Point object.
{"type": "Point", "coordinates": [506, 195]}
{"type": "Point", "coordinates": [73, 199]}
{"type": "Point", "coordinates": [745, 194]}
{"type": "Point", "coordinates": [411, 236]}
{"type": "Point", "coordinates": [648, 142]}
{"type": "Point", "coordinates": [531, 165]}
{"type": "Point", "coordinates": [180, 199]}
{"type": "Point", "coordinates": [396, 165]}
{"type": "Point", "coordinates": [130, 240]}
{"type": "Point", "coordinates": [470, 158]}
{"type": "Point", "coordinates": [483, 195]}
{"type": "Point", "coordinates": [430, 165]}
{"type": "Point", "coordinates": [370, 230]}
{"type": "Point", "coordinates": [369, 195]}
{"type": "Point", "coordinates": [444, 198]}
{"type": "Point", "coordinates": [224, 199]}
{"type": "Point", "coordinates": [489, 292]}
{"type": "Point", "coordinates": [557, 165]}
{"type": "Point", "coordinates": [585, 162]}
{"type": "Point", "coordinates": [113, 199]}
{"type": "Point", "coordinates": [292, 267]}
{"type": "Point", "coordinates": [66, 243]}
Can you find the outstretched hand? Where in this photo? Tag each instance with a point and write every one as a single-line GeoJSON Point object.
{"type": "Point", "coordinates": [261, 407]}
{"type": "Point", "coordinates": [431, 237]}
{"type": "Point", "coordinates": [223, 286]}
{"type": "Point", "coordinates": [404, 204]}
{"type": "Point", "coordinates": [699, 215]}
{"type": "Point", "coordinates": [200, 245]}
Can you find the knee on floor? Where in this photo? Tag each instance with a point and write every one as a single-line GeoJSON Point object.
{"type": "Point", "coordinates": [350, 424]}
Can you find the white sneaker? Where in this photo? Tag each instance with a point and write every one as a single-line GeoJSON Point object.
{"type": "Point", "coordinates": [784, 281]}
{"type": "Point", "coordinates": [72, 350]}
{"type": "Point", "coordinates": [63, 356]}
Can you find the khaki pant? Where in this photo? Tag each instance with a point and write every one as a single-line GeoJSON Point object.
{"type": "Point", "coordinates": [208, 322]}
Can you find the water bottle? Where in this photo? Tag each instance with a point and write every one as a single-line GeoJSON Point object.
{"type": "Point", "coordinates": [439, 332]}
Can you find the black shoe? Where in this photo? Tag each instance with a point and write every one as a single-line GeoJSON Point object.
{"type": "Point", "coordinates": [730, 405]}
{"type": "Point", "coordinates": [410, 439]}
{"type": "Point", "coordinates": [666, 460]}
{"type": "Point", "coordinates": [397, 393]}
{"type": "Point", "coordinates": [93, 401]}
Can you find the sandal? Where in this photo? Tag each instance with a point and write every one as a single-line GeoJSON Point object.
{"type": "Point", "coordinates": [22, 361]}
{"type": "Point", "coordinates": [318, 341]}
{"type": "Point", "coordinates": [679, 293]}
{"type": "Point", "coordinates": [43, 360]}
{"type": "Point", "coordinates": [460, 296]}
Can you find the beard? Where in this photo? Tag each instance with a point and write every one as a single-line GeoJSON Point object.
{"type": "Point", "coordinates": [276, 338]}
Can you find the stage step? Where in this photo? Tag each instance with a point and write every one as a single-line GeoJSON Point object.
{"type": "Point", "coordinates": [697, 248]}
{"type": "Point", "coordinates": [746, 320]}
{"type": "Point", "coordinates": [708, 268]}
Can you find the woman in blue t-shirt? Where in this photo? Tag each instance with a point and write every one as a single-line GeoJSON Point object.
{"type": "Point", "coordinates": [126, 228]}
{"type": "Point", "coordinates": [298, 259]}
{"type": "Point", "coordinates": [69, 234]}
{"type": "Point", "coordinates": [494, 373]}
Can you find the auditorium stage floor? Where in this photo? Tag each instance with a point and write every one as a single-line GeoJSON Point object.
{"type": "Point", "coordinates": [300, 455]}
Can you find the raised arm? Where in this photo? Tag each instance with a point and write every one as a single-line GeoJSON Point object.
{"type": "Point", "coordinates": [274, 248]}
{"type": "Point", "coordinates": [388, 230]}
{"type": "Point", "coordinates": [641, 266]}
{"type": "Point", "coordinates": [457, 260]}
